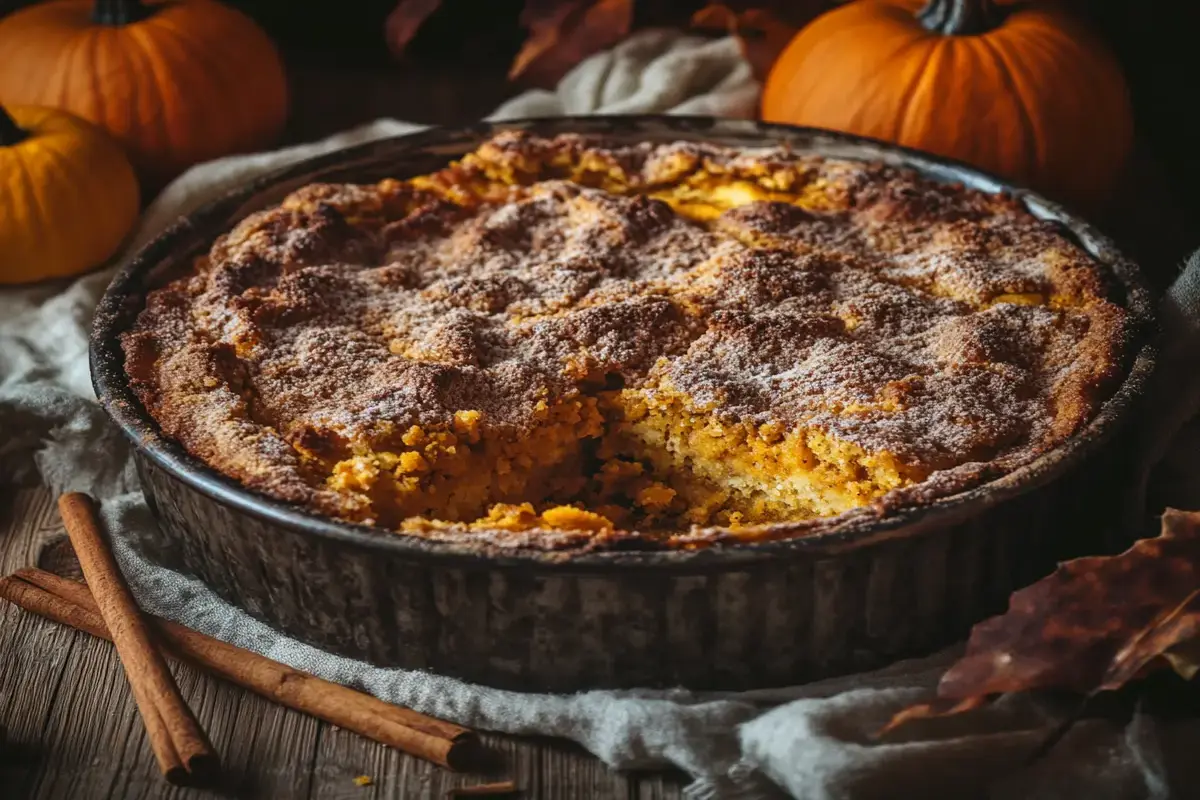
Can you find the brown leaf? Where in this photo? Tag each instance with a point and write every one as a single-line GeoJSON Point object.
{"type": "Point", "coordinates": [404, 21]}
{"type": "Point", "coordinates": [545, 21]}
{"type": "Point", "coordinates": [1181, 625]}
{"type": "Point", "coordinates": [1185, 659]}
{"type": "Point", "coordinates": [936, 708]}
{"type": "Point", "coordinates": [715, 16]}
{"type": "Point", "coordinates": [1093, 625]}
{"type": "Point", "coordinates": [561, 34]}
{"type": "Point", "coordinates": [763, 30]}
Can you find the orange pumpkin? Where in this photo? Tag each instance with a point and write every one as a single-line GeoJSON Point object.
{"type": "Point", "coordinates": [176, 82]}
{"type": "Point", "coordinates": [68, 196]}
{"type": "Point", "coordinates": [1028, 93]}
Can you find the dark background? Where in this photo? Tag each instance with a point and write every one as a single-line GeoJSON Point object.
{"type": "Point", "coordinates": [454, 71]}
{"type": "Point", "coordinates": [1157, 41]}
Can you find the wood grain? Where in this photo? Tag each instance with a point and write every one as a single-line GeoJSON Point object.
{"type": "Point", "coordinates": [70, 728]}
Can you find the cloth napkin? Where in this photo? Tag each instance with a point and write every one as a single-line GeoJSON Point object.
{"type": "Point", "coordinates": [813, 742]}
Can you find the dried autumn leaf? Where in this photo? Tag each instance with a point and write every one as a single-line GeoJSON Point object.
{"type": "Point", "coordinates": [936, 708]}
{"type": "Point", "coordinates": [715, 16]}
{"type": "Point", "coordinates": [762, 30]}
{"type": "Point", "coordinates": [561, 34]}
{"type": "Point", "coordinates": [1181, 625]}
{"type": "Point", "coordinates": [1185, 659]}
{"type": "Point", "coordinates": [1093, 625]}
{"type": "Point", "coordinates": [544, 21]}
{"type": "Point", "coordinates": [404, 21]}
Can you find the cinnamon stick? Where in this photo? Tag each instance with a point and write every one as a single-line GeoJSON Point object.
{"type": "Point", "coordinates": [441, 742]}
{"type": "Point", "coordinates": [45, 604]}
{"type": "Point", "coordinates": [180, 745]}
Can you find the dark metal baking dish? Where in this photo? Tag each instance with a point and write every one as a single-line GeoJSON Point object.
{"type": "Point", "coordinates": [861, 590]}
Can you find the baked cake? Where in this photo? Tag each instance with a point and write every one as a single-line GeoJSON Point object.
{"type": "Point", "coordinates": [556, 341]}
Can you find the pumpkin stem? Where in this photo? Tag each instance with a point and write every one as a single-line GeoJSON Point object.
{"type": "Point", "coordinates": [119, 12]}
{"type": "Point", "coordinates": [959, 17]}
{"type": "Point", "coordinates": [9, 132]}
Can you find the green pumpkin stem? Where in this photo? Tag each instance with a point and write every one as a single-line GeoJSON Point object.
{"type": "Point", "coordinates": [960, 17]}
{"type": "Point", "coordinates": [119, 12]}
{"type": "Point", "coordinates": [10, 134]}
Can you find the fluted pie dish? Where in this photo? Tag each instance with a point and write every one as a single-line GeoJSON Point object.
{"type": "Point", "coordinates": [625, 401]}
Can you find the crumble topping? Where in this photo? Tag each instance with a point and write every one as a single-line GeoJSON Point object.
{"type": "Point", "coordinates": [554, 342]}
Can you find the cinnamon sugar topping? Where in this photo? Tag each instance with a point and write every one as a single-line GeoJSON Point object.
{"type": "Point", "coordinates": [558, 343]}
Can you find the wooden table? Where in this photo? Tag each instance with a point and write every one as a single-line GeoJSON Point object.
{"type": "Point", "coordinates": [71, 730]}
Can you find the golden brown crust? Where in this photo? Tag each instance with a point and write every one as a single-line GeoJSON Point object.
{"type": "Point", "coordinates": [942, 325]}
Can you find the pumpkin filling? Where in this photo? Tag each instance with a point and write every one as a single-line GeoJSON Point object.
{"type": "Point", "coordinates": [623, 458]}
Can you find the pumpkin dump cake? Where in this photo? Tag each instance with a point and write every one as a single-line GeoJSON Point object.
{"type": "Point", "coordinates": [563, 338]}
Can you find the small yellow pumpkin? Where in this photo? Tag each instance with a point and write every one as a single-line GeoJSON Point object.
{"type": "Point", "coordinates": [68, 195]}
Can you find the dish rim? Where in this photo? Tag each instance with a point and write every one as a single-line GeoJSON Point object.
{"type": "Point", "coordinates": [125, 296]}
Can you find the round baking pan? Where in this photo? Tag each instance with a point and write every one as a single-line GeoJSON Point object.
{"type": "Point", "coordinates": [843, 594]}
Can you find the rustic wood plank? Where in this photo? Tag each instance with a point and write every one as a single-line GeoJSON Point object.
{"type": "Point", "coordinates": [33, 659]}
{"type": "Point", "coordinates": [93, 731]}
{"type": "Point", "coordinates": [71, 729]}
{"type": "Point", "coordinates": [31, 524]}
{"type": "Point", "coordinates": [342, 756]}
{"type": "Point", "coordinates": [519, 760]}
{"type": "Point", "coordinates": [33, 653]}
{"type": "Point", "coordinates": [265, 749]}
{"type": "Point", "coordinates": [568, 771]}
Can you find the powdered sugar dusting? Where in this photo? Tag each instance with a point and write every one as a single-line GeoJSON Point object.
{"type": "Point", "coordinates": [939, 324]}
